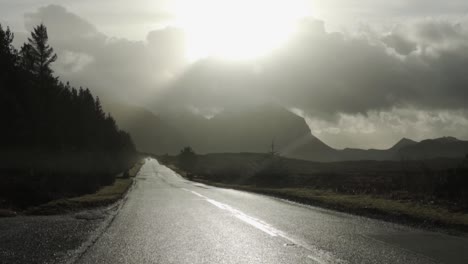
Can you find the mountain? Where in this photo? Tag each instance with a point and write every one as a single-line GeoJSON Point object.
{"type": "Point", "coordinates": [404, 142]}
{"type": "Point", "coordinates": [254, 130]}
{"type": "Point", "coordinates": [150, 133]}
{"type": "Point", "coordinates": [249, 130]}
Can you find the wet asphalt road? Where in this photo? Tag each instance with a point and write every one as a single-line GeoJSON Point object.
{"type": "Point", "coordinates": [167, 219]}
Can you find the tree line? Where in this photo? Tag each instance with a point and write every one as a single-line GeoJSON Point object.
{"type": "Point", "coordinates": [47, 125]}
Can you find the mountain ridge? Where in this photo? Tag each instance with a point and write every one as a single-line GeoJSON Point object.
{"type": "Point", "coordinates": [402, 143]}
{"type": "Point", "coordinates": [254, 130]}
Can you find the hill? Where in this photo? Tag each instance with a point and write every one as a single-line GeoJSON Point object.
{"type": "Point", "coordinates": [447, 147]}
{"type": "Point", "coordinates": [376, 154]}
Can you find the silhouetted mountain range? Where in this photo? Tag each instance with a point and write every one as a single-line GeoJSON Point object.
{"type": "Point", "coordinates": [377, 154]}
{"type": "Point", "coordinates": [447, 147]}
{"type": "Point", "coordinates": [254, 130]}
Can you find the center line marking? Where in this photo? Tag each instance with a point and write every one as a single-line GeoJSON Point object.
{"type": "Point", "coordinates": [320, 256]}
{"type": "Point", "coordinates": [240, 215]}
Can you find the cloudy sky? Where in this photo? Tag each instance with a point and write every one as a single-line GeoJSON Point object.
{"type": "Point", "coordinates": [364, 73]}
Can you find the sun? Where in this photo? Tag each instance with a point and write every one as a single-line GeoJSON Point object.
{"type": "Point", "coordinates": [237, 29]}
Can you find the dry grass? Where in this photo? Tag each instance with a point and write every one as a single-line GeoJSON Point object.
{"type": "Point", "coordinates": [106, 194]}
{"type": "Point", "coordinates": [132, 172]}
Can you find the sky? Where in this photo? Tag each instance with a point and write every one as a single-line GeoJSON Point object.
{"type": "Point", "coordinates": [363, 73]}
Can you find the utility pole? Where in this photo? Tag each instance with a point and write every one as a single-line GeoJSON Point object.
{"type": "Point", "coordinates": [273, 152]}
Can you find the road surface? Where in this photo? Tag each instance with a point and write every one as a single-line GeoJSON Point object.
{"type": "Point", "coordinates": [167, 219]}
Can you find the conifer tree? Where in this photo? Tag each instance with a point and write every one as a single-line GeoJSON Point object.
{"type": "Point", "coordinates": [42, 53]}
{"type": "Point", "coordinates": [7, 51]}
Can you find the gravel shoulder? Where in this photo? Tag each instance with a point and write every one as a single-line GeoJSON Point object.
{"type": "Point", "coordinates": [46, 239]}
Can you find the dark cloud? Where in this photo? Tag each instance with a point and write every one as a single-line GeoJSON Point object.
{"type": "Point", "coordinates": [438, 31]}
{"type": "Point", "coordinates": [400, 43]}
{"type": "Point", "coordinates": [333, 73]}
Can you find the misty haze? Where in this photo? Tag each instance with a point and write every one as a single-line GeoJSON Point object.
{"type": "Point", "coordinates": [218, 131]}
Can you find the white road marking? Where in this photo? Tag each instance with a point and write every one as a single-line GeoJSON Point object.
{"type": "Point", "coordinates": [247, 219]}
{"type": "Point", "coordinates": [315, 259]}
{"type": "Point", "coordinates": [240, 215]}
{"type": "Point", "coordinates": [319, 255]}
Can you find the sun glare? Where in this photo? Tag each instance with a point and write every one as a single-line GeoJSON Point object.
{"type": "Point", "coordinates": [237, 29]}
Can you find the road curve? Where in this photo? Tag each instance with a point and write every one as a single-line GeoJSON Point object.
{"type": "Point", "coordinates": [167, 219]}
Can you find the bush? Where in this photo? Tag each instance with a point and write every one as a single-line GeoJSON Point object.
{"type": "Point", "coordinates": [187, 159]}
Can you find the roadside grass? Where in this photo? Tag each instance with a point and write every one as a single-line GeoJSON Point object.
{"type": "Point", "coordinates": [177, 170]}
{"type": "Point", "coordinates": [434, 215]}
{"type": "Point", "coordinates": [104, 196]}
{"type": "Point", "coordinates": [400, 211]}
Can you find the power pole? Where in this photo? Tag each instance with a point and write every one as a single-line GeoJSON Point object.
{"type": "Point", "coordinates": [273, 152]}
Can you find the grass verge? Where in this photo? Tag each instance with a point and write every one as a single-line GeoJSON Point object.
{"type": "Point", "coordinates": [133, 171]}
{"type": "Point", "coordinates": [104, 196]}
